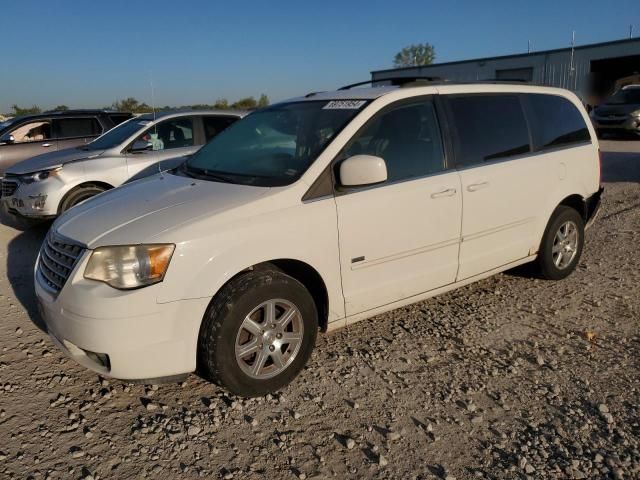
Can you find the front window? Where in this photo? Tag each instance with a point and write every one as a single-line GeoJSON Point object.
{"type": "Point", "coordinates": [172, 133]}
{"type": "Point", "coordinates": [32, 132]}
{"type": "Point", "coordinates": [117, 135]}
{"type": "Point", "coordinates": [274, 146]}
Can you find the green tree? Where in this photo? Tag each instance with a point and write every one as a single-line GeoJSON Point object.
{"type": "Point", "coordinates": [246, 103]}
{"type": "Point", "coordinates": [18, 111]}
{"type": "Point", "coordinates": [130, 104]}
{"type": "Point", "coordinates": [420, 54]}
{"type": "Point", "coordinates": [221, 104]}
{"type": "Point", "coordinates": [263, 101]}
{"type": "Point", "coordinates": [61, 108]}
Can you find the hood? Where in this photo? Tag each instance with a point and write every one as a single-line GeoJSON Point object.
{"type": "Point", "coordinates": [52, 159]}
{"type": "Point", "coordinates": [139, 211]}
{"type": "Point", "coordinates": [616, 109]}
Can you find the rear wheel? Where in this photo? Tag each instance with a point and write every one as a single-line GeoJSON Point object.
{"type": "Point", "coordinates": [79, 195]}
{"type": "Point", "coordinates": [562, 244]}
{"type": "Point", "coordinates": [258, 333]}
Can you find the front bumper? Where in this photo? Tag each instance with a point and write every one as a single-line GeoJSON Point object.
{"type": "Point", "coordinates": [122, 334]}
{"type": "Point", "coordinates": [34, 200]}
{"type": "Point", "coordinates": [620, 123]}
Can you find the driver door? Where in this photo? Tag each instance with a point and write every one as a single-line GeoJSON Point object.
{"type": "Point", "coordinates": [29, 139]}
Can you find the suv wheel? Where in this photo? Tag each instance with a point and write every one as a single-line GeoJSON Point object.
{"type": "Point", "coordinates": [562, 244]}
{"type": "Point", "coordinates": [258, 333]}
{"type": "Point", "coordinates": [79, 195]}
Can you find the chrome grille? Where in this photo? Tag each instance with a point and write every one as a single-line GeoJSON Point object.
{"type": "Point", "coordinates": [9, 187]}
{"type": "Point", "coordinates": [57, 260]}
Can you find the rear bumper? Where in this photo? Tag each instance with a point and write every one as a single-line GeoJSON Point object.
{"type": "Point", "coordinates": [593, 206]}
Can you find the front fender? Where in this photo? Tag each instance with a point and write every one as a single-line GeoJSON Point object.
{"type": "Point", "coordinates": [216, 253]}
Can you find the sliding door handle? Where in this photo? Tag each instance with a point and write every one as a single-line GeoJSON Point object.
{"type": "Point", "coordinates": [477, 186]}
{"type": "Point", "coordinates": [449, 192]}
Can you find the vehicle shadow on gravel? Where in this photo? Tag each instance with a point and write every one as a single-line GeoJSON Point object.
{"type": "Point", "coordinates": [22, 252]}
{"type": "Point", "coordinates": [620, 167]}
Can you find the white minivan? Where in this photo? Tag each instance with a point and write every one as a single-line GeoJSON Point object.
{"type": "Point", "coordinates": [312, 214]}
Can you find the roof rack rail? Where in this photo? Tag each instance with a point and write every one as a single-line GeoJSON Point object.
{"type": "Point", "coordinates": [396, 81]}
{"type": "Point", "coordinates": [502, 80]}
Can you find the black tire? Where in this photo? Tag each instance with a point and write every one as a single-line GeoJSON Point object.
{"type": "Point", "coordinates": [79, 195]}
{"type": "Point", "coordinates": [222, 323]}
{"type": "Point", "coordinates": [546, 264]}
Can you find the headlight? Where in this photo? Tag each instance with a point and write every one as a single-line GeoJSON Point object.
{"type": "Point", "coordinates": [39, 176]}
{"type": "Point", "coordinates": [635, 113]}
{"type": "Point", "coordinates": [130, 266]}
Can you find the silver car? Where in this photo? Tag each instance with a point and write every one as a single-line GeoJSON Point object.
{"type": "Point", "coordinates": [46, 185]}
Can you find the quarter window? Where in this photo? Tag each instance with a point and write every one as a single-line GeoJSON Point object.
{"type": "Point", "coordinates": [556, 122]}
{"type": "Point", "coordinates": [32, 132]}
{"type": "Point", "coordinates": [489, 127]}
{"type": "Point", "coordinates": [173, 133]}
{"type": "Point", "coordinates": [77, 127]}
{"type": "Point", "coordinates": [407, 137]}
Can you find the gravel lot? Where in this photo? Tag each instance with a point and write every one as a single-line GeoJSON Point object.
{"type": "Point", "coordinates": [507, 378]}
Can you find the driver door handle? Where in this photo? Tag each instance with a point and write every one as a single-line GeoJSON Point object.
{"type": "Point", "coordinates": [477, 186]}
{"type": "Point", "coordinates": [46, 144]}
{"type": "Point", "coordinates": [449, 192]}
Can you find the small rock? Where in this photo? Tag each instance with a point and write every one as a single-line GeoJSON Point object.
{"type": "Point", "coordinates": [193, 430]}
{"type": "Point", "coordinates": [382, 461]}
{"type": "Point", "coordinates": [393, 436]}
{"type": "Point", "coordinates": [476, 419]}
{"type": "Point", "coordinates": [350, 443]}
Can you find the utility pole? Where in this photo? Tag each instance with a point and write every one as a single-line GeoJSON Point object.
{"type": "Point", "coordinates": [631, 31]}
{"type": "Point", "coordinates": [528, 46]}
{"type": "Point", "coordinates": [572, 67]}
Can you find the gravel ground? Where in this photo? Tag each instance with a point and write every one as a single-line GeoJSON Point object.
{"type": "Point", "coordinates": [507, 378]}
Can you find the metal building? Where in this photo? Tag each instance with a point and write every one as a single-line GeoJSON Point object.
{"type": "Point", "coordinates": [589, 70]}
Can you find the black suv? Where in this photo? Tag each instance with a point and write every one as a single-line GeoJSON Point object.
{"type": "Point", "coordinates": [30, 135]}
{"type": "Point", "coordinates": [619, 113]}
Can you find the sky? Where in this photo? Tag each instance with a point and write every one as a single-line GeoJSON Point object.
{"type": "Point", "coordinates": [90, 53]}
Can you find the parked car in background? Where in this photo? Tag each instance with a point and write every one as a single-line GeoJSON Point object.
{"type": "Point", "coordinates": [42, 187]}
{"type": "Point", "coordinates": [27, 136]}
{"type": "Point", "coordinates": [312, 214]}
{"type": "Point", "coordinates": [620, 113]}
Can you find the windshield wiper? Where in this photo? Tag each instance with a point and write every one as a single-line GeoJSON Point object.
{"type": "Point", "coordinates": [204, 174]}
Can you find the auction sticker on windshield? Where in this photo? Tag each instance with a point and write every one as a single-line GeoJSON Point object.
{"type": "Point", "coordinates": [344, 105]}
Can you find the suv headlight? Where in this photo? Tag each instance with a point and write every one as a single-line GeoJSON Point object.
{"type": "Point", "coordinates": [635, 113]}
{"type": "Point", "coordinates": [129, 266]}
{"type": "Point", "coordinates": [39, 176]}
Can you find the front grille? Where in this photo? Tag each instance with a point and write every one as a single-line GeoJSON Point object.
{"type": "Point", "coordinates": [9, 187]}
{"type": "Point", "coordinates": [57, 260]}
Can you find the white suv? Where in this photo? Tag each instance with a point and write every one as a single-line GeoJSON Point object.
{"type": "Point", "coordinates": [312, 214]}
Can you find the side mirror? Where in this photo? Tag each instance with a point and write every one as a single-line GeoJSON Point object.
{"type": "Point", "coordinates": [141, 146]}
{"type": "Point", "coordinates": [7, 138]}
{"type": "Point", "coordinates": [362, 170]}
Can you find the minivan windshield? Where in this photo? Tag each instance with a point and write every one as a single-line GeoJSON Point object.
{"type": "Point", "coordinates": [117, 135]}
{"type": "Point", "coordinates": [626, 96]}
{"type": "Point", "coordinates": [273, 146]}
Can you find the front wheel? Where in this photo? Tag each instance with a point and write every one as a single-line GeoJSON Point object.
{"type": "Point", "coordinates": [79, 195]}
{"type": "Point", "coordinates": [258, 333]}
{"type": "Point", "coordinates": [562, 244]}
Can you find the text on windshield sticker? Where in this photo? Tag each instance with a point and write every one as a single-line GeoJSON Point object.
{"type": "Point", "coordinates": [344, 104]}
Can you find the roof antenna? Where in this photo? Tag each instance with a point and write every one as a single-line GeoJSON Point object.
{"type": "Point", "coordinates": [153, 109]}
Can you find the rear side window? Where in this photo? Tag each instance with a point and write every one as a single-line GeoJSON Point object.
{"type": "Point", "coordinates": [556, 122]}
{"type": "Point", "coordinates": [76, 127]}
{"type": "Point", "coordinates": [489, 127]}
{"type": "Point", "coordinates": [214, 125]}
